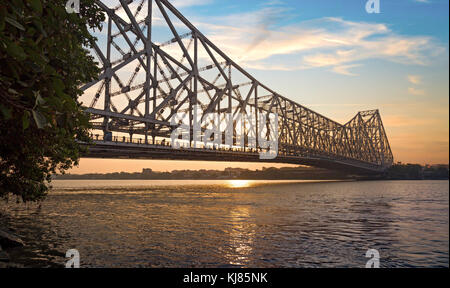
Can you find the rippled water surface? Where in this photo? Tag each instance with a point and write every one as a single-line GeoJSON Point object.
{"type": "Point", "coordinates": [235, 223]}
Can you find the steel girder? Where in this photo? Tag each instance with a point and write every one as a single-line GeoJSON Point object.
{"type": "Point", "coordinates": [145, 81]}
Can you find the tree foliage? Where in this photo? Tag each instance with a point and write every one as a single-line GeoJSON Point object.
{"type": "Point", "coordinates": [43, 62]}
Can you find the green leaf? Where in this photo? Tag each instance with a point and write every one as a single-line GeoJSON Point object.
{"type": "Point", "coordinates": [12, 91]}
{"type": "Point", "coordinates": [6, 112]}
{"type": "Point", "coordinates": [37, 23]}
{"type": "Point", "coordinates": [14, 23]}
{"type": "Point", "coordinates": [39, 119]}
{"type": "Point", "coordinates": [2, 17]}
{"type": "Point", "coordinates": [25, 120]}
{"type": "Point", "coordinates": [58, 85]}
{"type": "Point", "coordinates": [16, 51]}
{"type": "Point", "coordinates": [23, 84]}
{"type": "Point", "coordinates": [36, 5]}
{"type": "Point", "coordinates": [39, 100]}
{"type": "Point", "coordinates": [12, 68]}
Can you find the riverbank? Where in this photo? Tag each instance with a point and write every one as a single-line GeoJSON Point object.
{"type": "Point", "coordinates": [8, 243]}
{"type": "Point", "coordinates": [17, 247]}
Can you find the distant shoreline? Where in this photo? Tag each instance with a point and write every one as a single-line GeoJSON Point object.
{"type": "Point", "coordinates": [396, 172]}
{"type": "Point", "coordinates": [248, 179]}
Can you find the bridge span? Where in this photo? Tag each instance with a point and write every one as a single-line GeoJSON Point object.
{"type": "Point", "coordinates": [147, 79]}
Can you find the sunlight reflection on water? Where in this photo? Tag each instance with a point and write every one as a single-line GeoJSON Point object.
{"type": "Point", "coordinates": [239, 183]}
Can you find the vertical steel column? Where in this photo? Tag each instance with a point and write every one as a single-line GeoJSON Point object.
{"type": "Point", "coordinates": [148, 47]}
{"type": "Point", "coordinates": [230, 90]}
{"type": "Point", "coordinates": [380, 131]}
{"type": "Point", "coordinates": [108, 67]}
{"type": "Point", "coordinates": [193, 96]}
{"type": "Point", "coordinates": [155, 86]}
{"type": "Point", "coordinates": [256, 115]}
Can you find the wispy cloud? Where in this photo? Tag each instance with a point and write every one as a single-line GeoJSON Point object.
{"type": "Point", "coordinates": [416, 92]}
{"type": "Point", "coordinates": [176, 3]}
{"type": "Point", "coordinates": [415, 79]}
{"type": "Point", "coordinates": [187, 3]}
{"type": "Point", "coordinates": [344, 69]}
{"type": "Point", "coordinates": [260, 39]}
{"type": "Point", "coordinates": [333, 43]}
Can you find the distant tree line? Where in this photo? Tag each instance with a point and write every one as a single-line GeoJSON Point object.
{"type": "Point", "coordinates": [401, 171]}
{"type": "Point", "coordinates": [272, 173]}
{"type": "Point", "coordinates": [396, 172]}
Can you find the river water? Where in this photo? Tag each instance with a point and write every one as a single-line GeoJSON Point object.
{"type": "Point", "coordinates": [135, 223]}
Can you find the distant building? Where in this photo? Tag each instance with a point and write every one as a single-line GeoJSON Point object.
{"type": "Point", "coordinates": [147, 171]}
{"type": "Point", "coordinates": [437, 166]}
{"type": "Point", "coordinates": [235, 172]}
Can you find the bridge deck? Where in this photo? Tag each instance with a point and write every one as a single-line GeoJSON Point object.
{"type": "Point", "coordinates": [125, 150]}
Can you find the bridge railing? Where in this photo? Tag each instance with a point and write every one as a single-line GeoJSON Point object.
{"type": "Point", "coordinates": [166, 143]}
{"type": "Point", "coordinates": [285, 150]}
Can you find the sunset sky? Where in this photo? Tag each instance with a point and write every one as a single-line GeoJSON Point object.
{"type": "Point", "coordinates": [335, 58]}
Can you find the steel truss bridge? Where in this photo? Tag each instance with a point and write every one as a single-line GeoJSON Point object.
{"type": "Point", "coordinates": [147, 78]}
